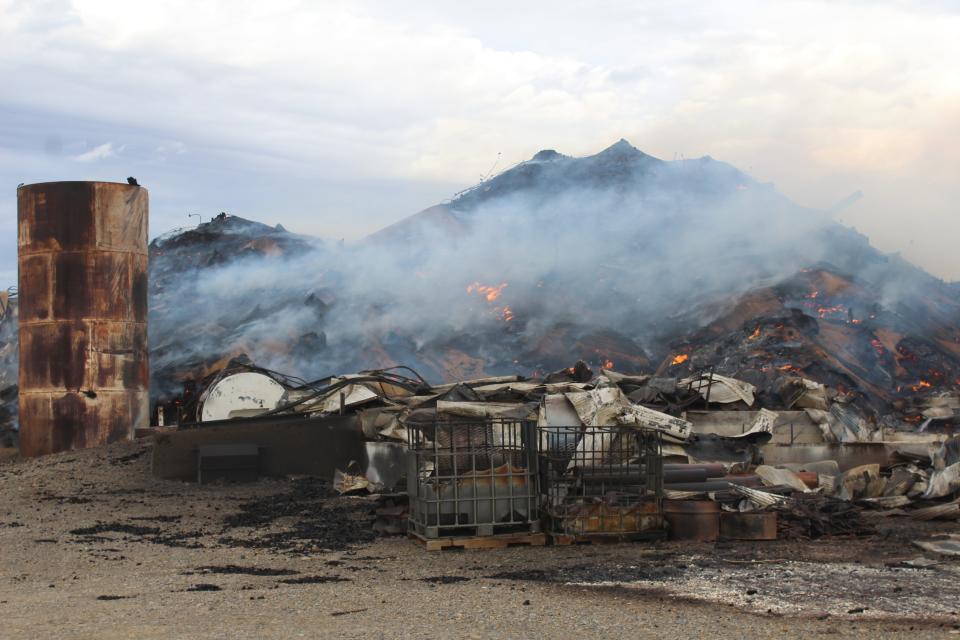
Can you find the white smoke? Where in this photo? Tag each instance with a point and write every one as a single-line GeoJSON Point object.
{"type": "Point", "coordinates": [594, 250]}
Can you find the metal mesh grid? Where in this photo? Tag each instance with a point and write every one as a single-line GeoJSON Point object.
{"type": "Point", "coordinates": [602, 480]}
{"type": "Point", "coordinates": [473, 478]}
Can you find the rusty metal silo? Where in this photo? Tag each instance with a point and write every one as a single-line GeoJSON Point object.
{"type": "Point", "coordinates": [84, 375]}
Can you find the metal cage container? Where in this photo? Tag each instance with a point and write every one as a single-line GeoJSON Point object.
{"type": "Point", "coordinates": [473, 478]}
{"type": "Point", "coordinates": [602, 481]}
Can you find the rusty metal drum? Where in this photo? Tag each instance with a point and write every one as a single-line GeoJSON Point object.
{"type": "Point", "coordinates": [84, 374]}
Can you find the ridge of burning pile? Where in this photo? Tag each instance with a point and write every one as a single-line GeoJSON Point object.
{"type": "Point", "coordinates": [618, 259]}
{"type": "Point", "coordinates": [821, 333]}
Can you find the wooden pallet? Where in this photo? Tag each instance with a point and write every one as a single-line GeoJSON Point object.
{"type": "Point", "coordinates": [499, 541]}
{"type": "Point", "coordinates": [568, 539]}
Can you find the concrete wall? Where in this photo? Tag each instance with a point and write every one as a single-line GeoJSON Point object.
{"type": "Point", "coordinates": [315, 447]}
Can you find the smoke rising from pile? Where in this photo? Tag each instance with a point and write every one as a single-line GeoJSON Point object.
{"type": "Point", "coordinates": [619, 241]}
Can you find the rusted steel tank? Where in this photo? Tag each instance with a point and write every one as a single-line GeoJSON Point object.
{"type": "Point", "coordinates": [84, 375]}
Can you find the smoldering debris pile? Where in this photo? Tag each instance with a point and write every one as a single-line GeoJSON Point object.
{"type": "Point", "coordinates": [618, 259]}
{"type": "Point", "coordinates": [816, 499]}
{"type": "Point", "coordinates": [820, 336]}
{"type": "Point", "coordinates": [706, 462]}
{"type": "Point", "coordinates": [811, 516]}
{"type": "Point", "coordinates": [191, 333]}
{"type": "Point", "coordinates": [387, 402]}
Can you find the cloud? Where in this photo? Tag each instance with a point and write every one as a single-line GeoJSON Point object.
{"type": "Point", "coordinates": [100, 152]}
{"type": "Point", "coordinates": [822, 98]}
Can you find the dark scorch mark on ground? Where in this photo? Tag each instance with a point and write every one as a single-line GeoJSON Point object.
{"type": "Point", "coordinates": [138, 533]}
{"type": "Point", "coordinates": [232, 569]}
{"type": "Point", "coordinates": [128, 458]}
{"type": "Point", "coordinates": [323, 522]}
{"type": "Point", "coordinates": [314, 519]}
{"type": "Point", "coordinates": [444, 579]}
{"type": "Point", "coordinates": [158, 518]}
{"type": "Point", "coordinates": [595, 573]}
{"type": "Point", "coordinates": [116, 527]}
{"type": "Point", "coordinates": [65, 499]}
{"type": "Point", "coordinates": [315, 580]}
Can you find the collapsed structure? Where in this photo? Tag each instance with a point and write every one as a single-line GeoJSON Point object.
{"type": "Point", "coordinates": [499, 454]}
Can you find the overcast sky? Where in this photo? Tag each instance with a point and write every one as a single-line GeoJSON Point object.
{"type": "Point", "coordinates": [337, 118]}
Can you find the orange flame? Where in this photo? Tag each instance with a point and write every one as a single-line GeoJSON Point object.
{"type": "Point", "coordinates": [680, 359]}
{"type": "Point", "coordinates": [607, 364]}
{"type": "Point", "coordinates": [506, 314]}
{"type": "Point", "coordinates": [487, 291]}
{"type": "Point", "coordinates": [755, 334]}
{"type": "Point", "coordinates": [825, 311]}
{"type": "Point", "coordinates": [923, 384]}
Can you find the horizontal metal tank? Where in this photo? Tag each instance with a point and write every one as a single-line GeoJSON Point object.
{"type": "Point", "coordinates": [84, 374]}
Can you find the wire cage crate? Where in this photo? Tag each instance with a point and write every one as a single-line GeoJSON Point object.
{"type": "Point", "coordinates": [602, 481]}
{"type": "Point", "coordinates": [473, 478]}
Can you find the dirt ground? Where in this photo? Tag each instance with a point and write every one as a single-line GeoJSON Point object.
{"type": "Point", "coordinates": [92, 546]}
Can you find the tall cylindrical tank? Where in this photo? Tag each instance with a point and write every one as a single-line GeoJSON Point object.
{"type": "Point", "coordinates": [84, 376]}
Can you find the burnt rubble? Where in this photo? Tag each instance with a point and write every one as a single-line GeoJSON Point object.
{"type": "Point", "coordinates": [744, 469]}
{"type": "Point", "coordinates": [819, 331]}
{"type": "Point", "coordinates": [822, 327]}
{"type": "Point", "coordinates": [816, 304]}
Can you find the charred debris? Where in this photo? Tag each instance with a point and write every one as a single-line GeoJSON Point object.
{"type": "Point", "coordinates": [619, 259]}
{"type": "Point", "coordinates": [725, 460]}
{"type": "Point", "coordinates": [802, 342]}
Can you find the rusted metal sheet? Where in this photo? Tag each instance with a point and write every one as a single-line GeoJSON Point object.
{"type": "Point", "coordinates": [748, 526]}
{"type": "Point", "coordinates": [612, 519]}
{"type": "Point", "coordinates": [84, 375]}
{"type": "Point", "coordinates": [692, 519]}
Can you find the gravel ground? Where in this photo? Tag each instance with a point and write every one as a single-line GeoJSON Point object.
{"type": "Point", "coordinates": [93, 547]}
